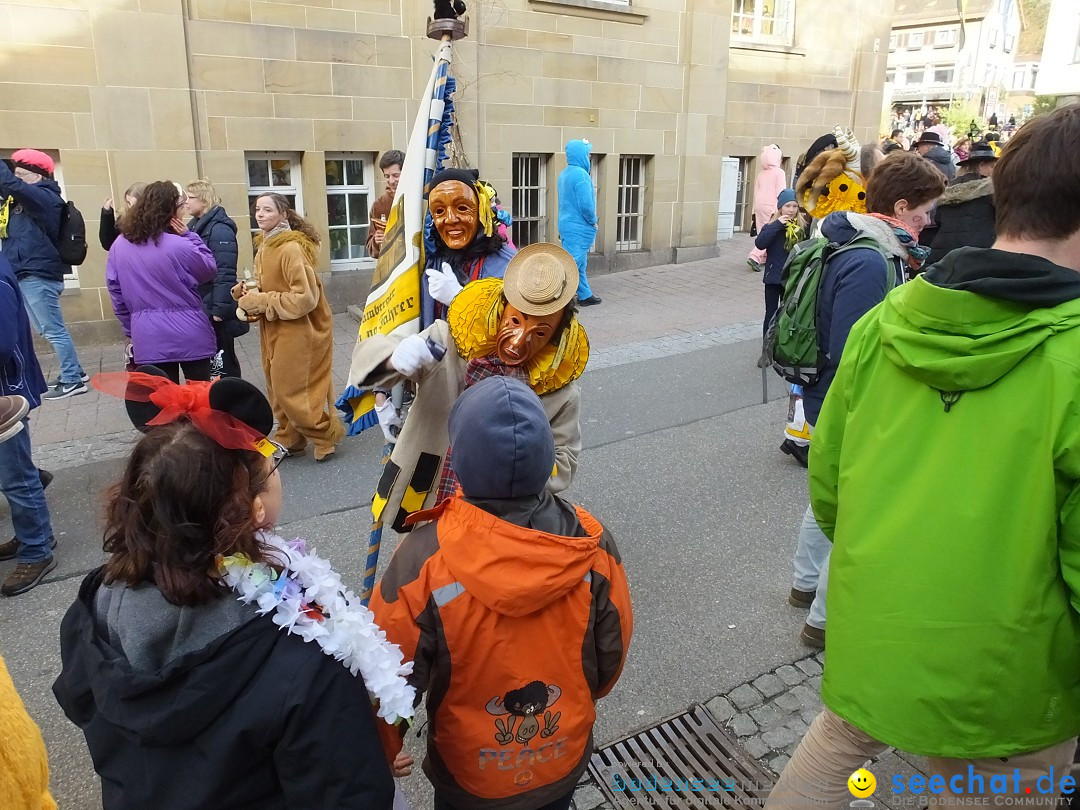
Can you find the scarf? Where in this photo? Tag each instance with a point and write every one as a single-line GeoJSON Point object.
{"type": "Point", "coordinates": [281, 227]}
{"type": "Point", "coordinates": [5, 213]}
{"type": "Point", "coordinates": [909, 240]}
{"type": "Point", "coordinates": [477, 369]}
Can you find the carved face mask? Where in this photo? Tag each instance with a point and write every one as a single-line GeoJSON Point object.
{"type": "Point", "coordinates": [455, 212]}
{"type": "Point", "coordinates": [521, 336]}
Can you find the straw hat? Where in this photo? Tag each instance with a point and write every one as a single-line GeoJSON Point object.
{"type": "Point", "coordinates": [541, 279]}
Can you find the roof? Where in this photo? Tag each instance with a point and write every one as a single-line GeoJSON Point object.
{"type": "Point", "coordinates": [926, 12]}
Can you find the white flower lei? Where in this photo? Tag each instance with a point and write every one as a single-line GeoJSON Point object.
{"type": "Point", "coordinates": [311, 602]}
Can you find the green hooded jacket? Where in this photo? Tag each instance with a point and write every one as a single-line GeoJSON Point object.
{"type": "Point", "coordinates": [945, 467]}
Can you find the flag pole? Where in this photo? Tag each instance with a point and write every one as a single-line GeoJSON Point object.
{"type": "Point", "coordinates": [445, 31]}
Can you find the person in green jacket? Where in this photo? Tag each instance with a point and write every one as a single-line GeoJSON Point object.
{"type": "Point", "coordinates": [945, 469]}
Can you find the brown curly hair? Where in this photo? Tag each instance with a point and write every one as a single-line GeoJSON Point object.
{"type": "Point", "coordinates": [183, 501]}
{"type": "Point", "coordinates": [149, 218]}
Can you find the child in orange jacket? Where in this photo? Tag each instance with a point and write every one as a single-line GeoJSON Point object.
{"type": "Point", "coordinates": [514, 607]}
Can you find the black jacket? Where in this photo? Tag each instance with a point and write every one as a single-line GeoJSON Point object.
{"type": "Point", "coordinates": [964, 217]}
{"type": "Point", "coordinates": [33, 231]}
{"type": "Point", "coordinates": [771, 239]}
{"type": "Point", "coordinates": [107, 230]}
{"type": "Point", "coordinates": [218, 232]}
{"type": "Point", "coordinates": [940, 157]}
{"type": "Point", "coordinates": [252, 719]}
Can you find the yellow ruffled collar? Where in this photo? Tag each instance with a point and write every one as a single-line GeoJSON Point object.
{"type": "Point", "coordinates": [474, 318]}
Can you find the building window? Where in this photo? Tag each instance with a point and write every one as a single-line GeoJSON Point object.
{"type": "Point", "coordinates": [529, 203]}
{"type": "Point", "coordinates": [890, 75]}
{"type": "Point", "coordinates": [768, 22]}
{"type": "Point", "coordinates": [915, 75]}
{"type": "Point", "coordinates": [915, 40]}
{"type": "Point", "coordinates": [993, 38]}
{"type": "Point", "coordinates": [1076, 50]}
{"type": "Point", "coordinates": [630, 221]}
{"type": "Point", "coordinates": [944, 37]}
{"type": "Point", "coordinates": [943, 74]}
{"type": "Point", "coordinates": [1035, 73]}
{"type": "Point", "coordinates": [279, 174]}
{"type": "Point", "coordinates": [893, 38]}
{"type": "Point", "coordinates": [1010, 42]}
{"type": "Point", "coordinates": [349, 184]}
{"type": "Point", "coordinates": [1018, 79]}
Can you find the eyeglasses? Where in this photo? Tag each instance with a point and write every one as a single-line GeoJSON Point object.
{"type": "Point", "coordinates": [280, 454]}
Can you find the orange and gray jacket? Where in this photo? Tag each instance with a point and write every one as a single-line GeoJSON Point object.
{"type": "Point", "coordinates": [514, 634]}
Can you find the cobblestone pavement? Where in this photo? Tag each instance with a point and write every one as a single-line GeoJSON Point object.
{"type": "Point", "coordinates": [655, 312]}
{"type": "Point", "coordinates": [769, 716]}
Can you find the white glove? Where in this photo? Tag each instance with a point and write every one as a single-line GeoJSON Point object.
{"type": "Point", "coordinates": [443, 285]}
{"type": "Point", "coordinates": [412, 356]}
{"type": "Point", "coordinates": [389, 420]}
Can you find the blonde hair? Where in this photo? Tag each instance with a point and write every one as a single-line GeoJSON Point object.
{"type": "Point", "coordinates": [204, 190]}
{"type": "Point", "coordinates": [135, 190]}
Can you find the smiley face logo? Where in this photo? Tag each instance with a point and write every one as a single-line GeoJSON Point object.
{"type": "Point", "coordinates": [861, 783]}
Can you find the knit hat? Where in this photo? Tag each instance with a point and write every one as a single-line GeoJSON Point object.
{"type": "Point", "coordinates": [34, 161]}
{"type": "Point", "coordinates": [501, 440]}
{"type": "Point", "coordinates": [785, 196]}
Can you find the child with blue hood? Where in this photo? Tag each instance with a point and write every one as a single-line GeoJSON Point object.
{"type": "Point", "coordinates": [777, 238]}
{"type": "Point", "coordinates": [577, 213]}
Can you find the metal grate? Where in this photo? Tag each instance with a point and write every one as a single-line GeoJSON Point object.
{"type": "Point", "coordinates": [684, 762]}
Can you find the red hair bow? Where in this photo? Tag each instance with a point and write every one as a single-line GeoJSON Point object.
{"type": "Point", "coordinates": [175, 401]}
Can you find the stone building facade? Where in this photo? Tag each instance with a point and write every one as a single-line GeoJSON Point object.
{"type": "Point", "coordinates": [303, 96]}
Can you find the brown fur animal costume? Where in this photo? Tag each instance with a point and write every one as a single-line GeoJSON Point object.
{"type": "Point", "coordinates": [832, 182]}
{"type": "Point", "coordinates": [296, 335]}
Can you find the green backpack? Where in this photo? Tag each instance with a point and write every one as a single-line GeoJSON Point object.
{"type": "Point", "coordinates": [791, 341]}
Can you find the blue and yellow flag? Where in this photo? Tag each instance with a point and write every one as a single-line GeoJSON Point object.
{"type": "Point", "coordinates": [393, 305]}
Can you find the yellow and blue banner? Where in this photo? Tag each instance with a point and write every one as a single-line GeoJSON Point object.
{"type": "Point", "coordinates": [394, 304]}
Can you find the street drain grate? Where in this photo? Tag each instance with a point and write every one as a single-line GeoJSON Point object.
{"type": "Point", "coordinates": [686, 762]}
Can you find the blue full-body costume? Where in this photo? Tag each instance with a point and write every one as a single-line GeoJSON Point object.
{"type": "Point", "coordinates": [577, 210]}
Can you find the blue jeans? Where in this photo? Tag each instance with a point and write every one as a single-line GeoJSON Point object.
{"type": "Point", "coordinates": [811, 565]}
{"type": "Point", "coordinates": [21, 485]}
{"type": "Point", "coordinates": [42, 298]}
{"type": "Point", "coordinates": [581, 256]}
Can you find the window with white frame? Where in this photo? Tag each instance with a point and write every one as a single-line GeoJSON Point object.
{"type": "Point", "coordinates": [893, 41]}
{"type": "Point", "coordinates": [350, 180]}
{"type": "Point", "coordinates": [529, 198]}
{"type": "Point", "coordinates": [890, 75]}
{"type": "Point", "coordinates": [273, 173]}
{"type": "Point", "coordinates": [1019, 75]}
{"type": "Point", "coordinates": [915, 40]}
{"type": "Point", "coordinates": [767, 22]}
{"type": "Point", "coordinates": [993, 38]}
{"type": "Point", "coordinates": [944, 37]}
{"type": "Point", "coordinates": [630, 217]}
{"type": "Point", "coordinates": [943, 74]}
{"type": "Point", "coordinates": [915, 75]}
{"type": "Point", "coordinates": [1010, 43]}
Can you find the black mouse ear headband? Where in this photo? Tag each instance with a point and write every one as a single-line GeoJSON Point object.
{"type": "Point", "coordinates": [232, 412]}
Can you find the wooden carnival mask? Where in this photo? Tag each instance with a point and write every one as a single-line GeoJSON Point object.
{"type": "Point", "coordinates": [521, 336]}
{"type": "Point", "coordinates": [455, 211]}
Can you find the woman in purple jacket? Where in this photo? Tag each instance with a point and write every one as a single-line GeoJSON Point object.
{"type": "Point", "coordinates": [154, 270]}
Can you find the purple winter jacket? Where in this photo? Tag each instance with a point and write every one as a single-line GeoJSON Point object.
{"type": "Point", "coordinates": [154, 291]}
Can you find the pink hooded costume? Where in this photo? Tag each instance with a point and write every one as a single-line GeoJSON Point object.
{"type": "Point", "coordinates": [767, 187]}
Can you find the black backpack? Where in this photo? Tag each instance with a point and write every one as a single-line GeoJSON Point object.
{"type": "Point", "coordinates": [72, 241]}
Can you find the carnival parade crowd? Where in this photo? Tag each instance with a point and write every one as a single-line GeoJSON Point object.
{"type": "Point", "coordinates": [911, 289]}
